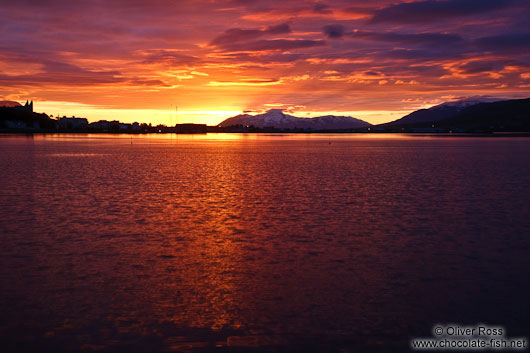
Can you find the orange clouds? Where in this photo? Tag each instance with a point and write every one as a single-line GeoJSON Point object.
{"type": "Point", "coordinates": [232, 55]}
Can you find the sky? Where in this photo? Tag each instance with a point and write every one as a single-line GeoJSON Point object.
{"type": "Point", "coordinates": [201, 61]}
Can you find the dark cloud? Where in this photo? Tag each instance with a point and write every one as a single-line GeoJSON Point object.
{"type": "Point", "coordinates": [278, 29]}
{"type": "Point", "coordinates": [322, 8]}
{"type": "Point", "coordinates": [258, 81]}
{"type": "Point", "coordinates": [418, 55]}
{"type": "Point", "coordinates": [425, 11]}
{"type": "Point", "coordinates": [53, 71]}
{"type": "Point", "coordinates": [243, 2]}
{"type": "Point", "coordinates": [275, 44]}
{"type": "Point", "coordinates": [244, 40]}
{"type": "Point", "coordinates": [333, 31]}
{"type": "Point", "coordinates": [406, 38]}
{"type": "Point", "coordinates": [57, 67]}
{"type": "Point", "coordinates": [260, 58]}
{"type": "Point", "coordinates": [358, 10]}
{"type": "Point", "coordinates": [144, 82]}
{"type": "Point", "coordinates": [82, 78]}
{"type": "Point", "coordinates": [480, 66]}
{"type": "Point", "coordinates": [336, 31]}
{"type": "Point", "coordinates": [168, 57]}
{"type": "Point", "coordinates": [238, 34]}
{"type": "Point", "coordinates": [512, 42]}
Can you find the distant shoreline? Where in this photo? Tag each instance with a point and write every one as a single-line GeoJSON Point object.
{"type": "Point", "coordinates": [439, 134]}
{"type": "Point", "coordinates": [499, 118]}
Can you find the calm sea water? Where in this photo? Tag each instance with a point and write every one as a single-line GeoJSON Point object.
{"type": "Point", "coordinates": [259, 243]}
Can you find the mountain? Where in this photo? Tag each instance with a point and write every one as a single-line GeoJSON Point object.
{"type": "Point", "coordinates": [506, 115]}
{"type": "Point", "coordinates": [276, 118]}
{"type": "Point", "coordinates": [9, 104]}
{"type": "Point", "coordinates": [440, 112]}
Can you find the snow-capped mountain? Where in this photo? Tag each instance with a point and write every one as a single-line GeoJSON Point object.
{"type": "Point", "coordinates": [467, 102]}
{"type": "Point", "coordinates": [505, 115]}
{"type": "Point", "coordinates": [276, 118]}
{"type": "Point", "coordinates": [442, 111]}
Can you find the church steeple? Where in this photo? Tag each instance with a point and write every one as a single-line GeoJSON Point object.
{"type": "Point", "coordinates": [29, 106]}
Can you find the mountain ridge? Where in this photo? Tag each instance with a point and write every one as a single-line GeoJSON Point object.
{"type": "Point", "coordinates": [276, 118]}
{"type": "Point", "coordinates": [510, 115]}
{"type": "Point", "coordinates": [443, 111]}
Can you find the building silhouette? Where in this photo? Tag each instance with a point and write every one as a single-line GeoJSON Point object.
{"type": "Point", "coordinates": [28, 107]}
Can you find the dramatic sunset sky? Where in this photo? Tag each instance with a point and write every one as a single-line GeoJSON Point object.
{"type": "Point", "coordinates": [135, 60]}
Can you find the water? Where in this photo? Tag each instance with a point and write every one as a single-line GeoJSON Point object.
{"type": "Point", "coordinates": [259, 243]}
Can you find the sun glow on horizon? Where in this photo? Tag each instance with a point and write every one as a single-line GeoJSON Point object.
{"type": "Point", "coordinates": [152, 116]}
{"type": "Point", "coordinates": [198, 116]}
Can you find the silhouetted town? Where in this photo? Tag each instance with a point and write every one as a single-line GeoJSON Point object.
{"type": "Point", "coordinates": [467, 116]}
{"type": "Point", "coordinates": [15, 117]}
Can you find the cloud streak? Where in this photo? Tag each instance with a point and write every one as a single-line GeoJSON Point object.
{"type": "Point", "coordinates": [272, 45]}
{"type": "Point", "coordinates": [432, 10]}
{"type": "Point", "coordinates": [238, 34]}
